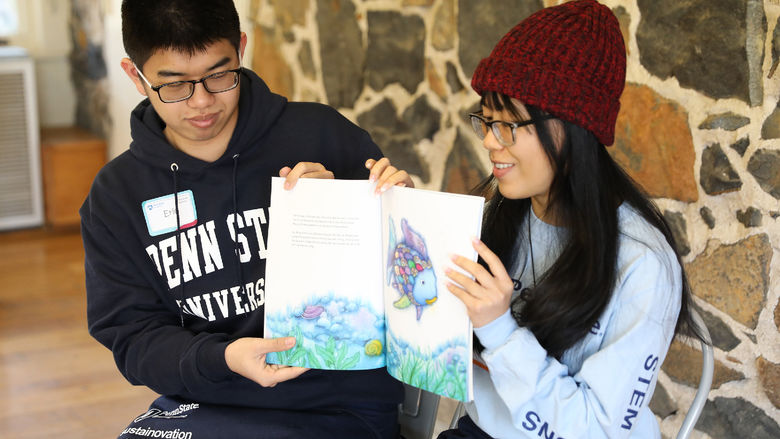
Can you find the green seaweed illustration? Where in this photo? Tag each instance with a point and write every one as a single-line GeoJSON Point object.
{"type": "Point", "coordinates": [321, 357]}
{"type": "Point", "coordinates": [297, 355]}
{"type": "Point", "coordinates": [433, 375]}
{"type": "Point", "coordinates": [337, 358]}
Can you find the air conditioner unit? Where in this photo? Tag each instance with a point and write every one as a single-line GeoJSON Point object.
{"type": "Point", "coordinates": [21, 197]}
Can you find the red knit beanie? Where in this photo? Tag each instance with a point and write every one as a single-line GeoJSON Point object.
{"type": "Point", "coordinates": [569, 60]}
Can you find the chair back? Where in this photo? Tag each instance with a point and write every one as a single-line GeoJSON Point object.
{"type": "Point", "coordinates": [705, 382]}
{"type": "Point", "coordinates": [417, 414]}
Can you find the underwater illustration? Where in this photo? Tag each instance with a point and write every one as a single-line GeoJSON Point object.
{"type": "Point", "coordinates": [442, 370]}
{"type": "Point", "coordinates": [331, 333]}
{"type": "Point", "coordinates": [409, 269]}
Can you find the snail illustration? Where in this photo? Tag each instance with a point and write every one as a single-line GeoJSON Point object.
{"type": "Point", "coordinates": [374, 348]}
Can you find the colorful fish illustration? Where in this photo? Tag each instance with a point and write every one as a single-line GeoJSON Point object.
{"type": "Point", "coordinates": [409, 269]}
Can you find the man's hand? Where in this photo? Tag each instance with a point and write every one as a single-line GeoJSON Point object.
{"type": "Point", "coordinates": [303, 170]}
{"type": "Point", "coordinates": [387, 175]}
{"type": "Point", "coordinates": [246, 357]}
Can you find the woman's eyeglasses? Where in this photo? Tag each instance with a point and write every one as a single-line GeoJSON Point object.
{"type": "Point", "coordinates": [503, 131]}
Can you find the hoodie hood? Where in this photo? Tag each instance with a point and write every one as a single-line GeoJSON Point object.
{"type": "Point", "coordinates": [167, 300]}
{"type": "Point", "coordinates": [151, 147]}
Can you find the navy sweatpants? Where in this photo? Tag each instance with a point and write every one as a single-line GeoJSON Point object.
{"type": "Point", "coordinates": [466, 429]}
{"type": "Point", "coordinates": [177, 419]}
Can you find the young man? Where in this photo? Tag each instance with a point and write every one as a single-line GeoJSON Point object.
{"type": "Point", "coordinates": [174, 233]}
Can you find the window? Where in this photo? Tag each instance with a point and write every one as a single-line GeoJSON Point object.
{"type": "Point", "coordinates": [9, 18]}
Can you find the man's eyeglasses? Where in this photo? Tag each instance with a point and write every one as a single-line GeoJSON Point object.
{"type": "Point", "coordinates": [503, 131]}
{"type": "Point", "coordinates": [182, 90]}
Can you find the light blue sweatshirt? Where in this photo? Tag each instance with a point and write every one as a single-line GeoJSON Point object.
{"type": "Point", "coordinates": [602, 386]}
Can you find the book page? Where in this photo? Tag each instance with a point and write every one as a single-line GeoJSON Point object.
{"type": "Point", "coordinates": [429, 334]}
{"type": "Point", "coordinates": [323, 274]}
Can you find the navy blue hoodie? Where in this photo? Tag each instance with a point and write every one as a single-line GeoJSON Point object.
{"type": "Point", "coordinates": [137, 275]}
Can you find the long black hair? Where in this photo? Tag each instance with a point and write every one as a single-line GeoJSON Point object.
{"type": "Point", "coordinates": [586, 190]}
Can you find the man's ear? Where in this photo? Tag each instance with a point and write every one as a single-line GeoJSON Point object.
{"type": "Point", "coordinates": [129, 68]}
{"type": "Point", "coordinates": [242, 45]}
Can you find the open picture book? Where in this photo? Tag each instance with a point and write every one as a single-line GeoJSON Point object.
{"type": "Point", "coordinates": [358, 279]}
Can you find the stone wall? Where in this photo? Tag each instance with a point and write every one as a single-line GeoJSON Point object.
{"type": "Point", "coordinates": [88, 68]}
{"type": "Point", "coordinates": [698, 128]}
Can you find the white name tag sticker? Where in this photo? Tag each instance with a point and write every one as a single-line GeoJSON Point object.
{"type": "Point", "coordinates": [160, 213]}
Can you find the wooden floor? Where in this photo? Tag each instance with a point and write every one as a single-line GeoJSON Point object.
{"type": "Point", "coordinates": [55, 380]}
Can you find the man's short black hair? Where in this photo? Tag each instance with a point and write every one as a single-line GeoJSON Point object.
{"type": "Point", "coordinates": [182, 25]}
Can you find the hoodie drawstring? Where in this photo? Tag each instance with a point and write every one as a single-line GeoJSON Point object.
{"type": "Point", "coordinates": [239, 273]}
{"type": "Point", "coordinates": [235, 221]}
{"type": "Point", "coordinates": [174, 169]}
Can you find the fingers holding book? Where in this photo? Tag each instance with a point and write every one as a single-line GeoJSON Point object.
{"type": "Point", "coordinates": [387, 175]}
{"type": "Point", "coordinates": [246, 357]}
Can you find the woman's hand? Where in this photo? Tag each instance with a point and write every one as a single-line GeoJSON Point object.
{"type": "Point", "coordinates": [303, 170]}
{"type": "Point", "coordinates": [387, 175]}
{"type": "Point", "coordinates": [246, 357]}
{"type": "Point", "coordinates": [487, 296]}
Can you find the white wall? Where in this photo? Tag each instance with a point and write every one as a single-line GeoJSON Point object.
{"type": "Point", "coordinates": [123, 96]}
{"type": "Point", "coordinates": [44, 32]}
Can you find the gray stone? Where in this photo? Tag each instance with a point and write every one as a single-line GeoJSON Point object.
{"type": "Point", "coordinates": [725, 121]}
{"type": "Point", "coordinates": [394, 138]}
{"type": "Point", "coordinates": [88, 70]}
{"type": "Point", "coordinates": [717, 175]}
{"type": "Point", "coordinates": [736, 418]}
{"type": "Point", "coordinates": [677, 224]}
{"type": "Point", "coordinates": [422, 119]}
{"type": "Point", "coordinates": [92, 107]}
{"type": "Point", "coordinates": [90, 61]}
{"type": "Point", "coordinates": [707, 216]}
{"type": "Point", "coordinates": [484, 22]}
{"type": "Point", "coordinates": [775, 49]}
{"type": "Point", "coordinates": [452, 78]}
{"type": "Point", "coordinates": [752, 337]}
{"type": "Point", "coordinates": [741, 145]}
{"type": "Point", "coordinates": [290, 13]}
{"type": "Point", "coordinates": [624, 18]}
{"type": "Point", "coordinates": [444, 23]}
{"type": "Point", "coordinates": [396, 46]}
{"type": "Point", "coordinates": [764, 165]}
{"type": "Point", "coordinates": [675, 39]}
{"type": "Point", "coordinates": [774, 214]}
{"type": "Point", "coordinates": [462, 172]}
{"type": "Point", "coordinates": [750, 217]}
{"type": "Point", "coordinates": [342, 53]}
{"type": "Point", "coordinates": [720, 333]}
{"type": "Point", "coordinates": [771, 127]}
{"type": "Point", "coordinates": [306, 60]}
{"type": "Point", "coordinates": [86, 32]}
{"type": "Point", "coordinates": [662, 404]}
{"type": "Point", "coordinates": [756, 27]}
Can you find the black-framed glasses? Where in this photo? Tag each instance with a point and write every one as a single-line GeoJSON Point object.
{"type": "Point", "coordinates": [503, 131]}
{"type": "Point", "coordinates": [178, 91]}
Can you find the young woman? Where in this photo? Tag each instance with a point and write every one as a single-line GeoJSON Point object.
{"type": "Point", "coordinates": [579, 292]}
